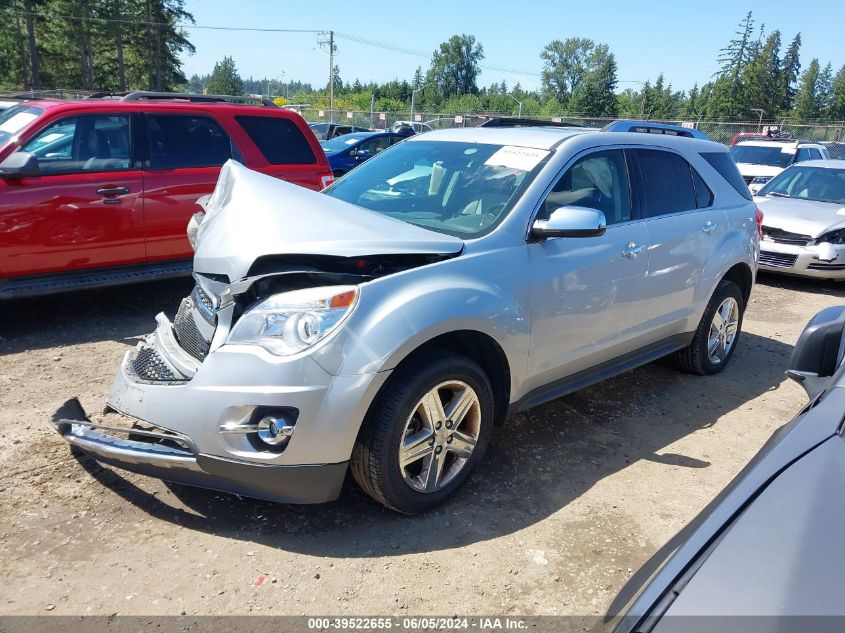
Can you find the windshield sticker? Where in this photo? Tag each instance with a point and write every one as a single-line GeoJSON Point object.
{"type": "Point", "coordinates": [524, 158]}
{"type": "Point", "coordinates": [17, 122]}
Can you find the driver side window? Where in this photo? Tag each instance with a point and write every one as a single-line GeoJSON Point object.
{"type": "Point", "coordinates": [90, 143]}
{"type": "Point", "coordinates": [598, 181]}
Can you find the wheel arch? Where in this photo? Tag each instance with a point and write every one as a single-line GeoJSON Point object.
{"type": "Point", "coordinates": [742, 276]}
{"type": "Point", "coordinates": [479, 347]}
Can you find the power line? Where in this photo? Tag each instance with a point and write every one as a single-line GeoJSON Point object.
{"type": "Point", "coordinates": [187, 25]}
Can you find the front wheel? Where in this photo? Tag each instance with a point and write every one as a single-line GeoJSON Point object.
{"type": "Point", "coordinates": [717, 334]}
{"type": "Point", "coordinates": [425, 433]}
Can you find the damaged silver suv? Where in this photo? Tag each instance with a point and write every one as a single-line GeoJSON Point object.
{"type": "Point", "coordinates": [388, 323]}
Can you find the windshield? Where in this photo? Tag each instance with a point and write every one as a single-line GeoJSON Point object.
{"type": "Point", "coordinates": [773, 155]}
{"type": "Point", "coordinates": [808, 183]}
{"type": "Point", "coordinates": [15, 119]}
{"type": "Point", "coordinates": [461, 189]}
{"type": "Point", "coordinates": [340, 143]}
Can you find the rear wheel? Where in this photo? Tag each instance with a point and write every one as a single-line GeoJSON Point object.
{"type": "Point", "coordinates": [717, 334]}
{"type": "Point", "coordinates": [426, 432]}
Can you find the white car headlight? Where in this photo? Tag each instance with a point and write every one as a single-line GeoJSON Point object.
{"type": "Point", "coordinates": [290, 322]}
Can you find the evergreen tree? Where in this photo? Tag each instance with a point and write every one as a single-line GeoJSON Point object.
{"type": "Point", "coordinates": [807, 103]}
{"type": "Point", "coordinates": [761, 78]}
{"type": "Point", "coordinates": [596, 93]}
{"type": "Point", "coordinates": [836, 106]}
{"type": "Point", "coordinates": [790, 70]}
{"type": "Point", "coordinates": [825, 90]}
{"type": "Point", "coordinates": [225, 79]}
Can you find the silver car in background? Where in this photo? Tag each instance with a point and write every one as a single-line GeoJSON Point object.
{"type": "Point", "coordinates": [804, 226]}
{"type": "Point", "coordinates": [388, 323]}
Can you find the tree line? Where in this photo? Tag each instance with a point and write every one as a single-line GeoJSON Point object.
{"type": "Point", "coordinates": [136, 44]}
{"type": "Point", "coordinates": [105, 45]}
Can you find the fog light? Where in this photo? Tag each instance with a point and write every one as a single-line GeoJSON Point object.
{"type": "Point", "coordinates": [273, 430]}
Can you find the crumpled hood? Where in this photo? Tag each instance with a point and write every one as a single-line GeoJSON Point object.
{"type": "Point", "coordinates": [251, 215]}
{"type": "Point", "coordinates": [800, 216]}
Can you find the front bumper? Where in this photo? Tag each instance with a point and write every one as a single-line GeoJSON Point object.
{"type": "Point", "coordinates": [173, 457]}
{"type": "Point", "coordinates": [210, 412]}
{"type": "Point", "coordinates": [800, 260]}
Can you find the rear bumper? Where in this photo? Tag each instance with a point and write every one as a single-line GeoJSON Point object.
{"type": "Point", "coordinates": [179, 461]}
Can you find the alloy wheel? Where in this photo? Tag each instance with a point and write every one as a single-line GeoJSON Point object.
{"type": "Point", "coordinates": [723, 331]}
{"type": "Point", "coordinates": [440, 435]}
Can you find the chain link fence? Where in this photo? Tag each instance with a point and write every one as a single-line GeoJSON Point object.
{"type": "Point", "coordinates": [721, 131]}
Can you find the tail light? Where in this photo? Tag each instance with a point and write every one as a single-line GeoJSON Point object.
{"type": "Point", "coordinates": [759, 224]}
{"type": "Point", "coordinates": [326, 180]}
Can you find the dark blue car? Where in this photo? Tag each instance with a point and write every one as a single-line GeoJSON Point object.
{"type": "Point", "coordinates": [348, 151]}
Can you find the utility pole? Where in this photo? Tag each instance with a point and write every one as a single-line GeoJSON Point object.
{"type": "Point", "coordinates": [372, 109]}
{"type": "Point", "coordinates": [331, 75]}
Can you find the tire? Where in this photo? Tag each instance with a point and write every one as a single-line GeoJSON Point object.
{"type": "Point", "coordinates": [398, 416]}
{"type": "Point", "coordinates": [697, 358]}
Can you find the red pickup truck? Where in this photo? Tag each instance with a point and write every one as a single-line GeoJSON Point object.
{"type": "Point", "coordinates": [100, 191]}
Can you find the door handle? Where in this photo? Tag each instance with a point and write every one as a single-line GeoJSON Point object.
{"type": "Point", "coordinates": [633, 249]}
{"type": "Point", "coordinates": [112, 191]}
{"type": "Point", "coordinates": [709, 227]}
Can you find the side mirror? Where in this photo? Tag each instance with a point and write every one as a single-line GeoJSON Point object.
{"type": "Point", "coordinates": [819, 351]}
{"type": "Point", "coordinates": [570, 222]}
{"type": "Point", "coordinates": [20, 165]}
{"type": "Point", "coordinates": [362, 154]}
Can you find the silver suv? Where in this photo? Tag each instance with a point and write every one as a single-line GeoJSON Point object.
{"type": "Point", "coordinates": [389, 323]}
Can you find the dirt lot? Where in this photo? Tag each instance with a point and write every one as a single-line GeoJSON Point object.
{"type": "Point", "coordinates": [572, 497]}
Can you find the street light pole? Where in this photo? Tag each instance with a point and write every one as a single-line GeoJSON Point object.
{"type": "Point", "coordinates": [761, 112]}
{"type": "Point", "coordinates": [413, 103]}
{"type": "Point", "coordinates": [519, 103]}
{"type": "Point", "coordinates": [282, 74]}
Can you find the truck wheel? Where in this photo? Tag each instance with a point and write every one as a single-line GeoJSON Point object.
{"type": "Point", "coordinates": [425, 433]}
{"type": "Point", "coordinates": [717, 334]}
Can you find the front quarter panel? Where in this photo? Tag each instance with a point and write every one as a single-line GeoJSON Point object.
{"type": "Point", "coordinates": [397, 314]}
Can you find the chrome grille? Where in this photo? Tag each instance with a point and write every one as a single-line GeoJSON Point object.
{"type": "Point", "coordinates": [187, 333]}
{"type": "Point", "coordinates": [777, 260]}
{"type": "Point", "coordinates": [148, 365]}
{"type": "Point", "coordinates": [785, 237]}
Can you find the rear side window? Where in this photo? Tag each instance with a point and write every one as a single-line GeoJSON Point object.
{"type": "Point", "coordinates": [703, 195]}
{"type": "Point", "coordinates": [666, 183]}
{"type": "Point", "coordinates": [178, 140]}
{"type": "Point", "coordinates": [279, 140]}
{"type": "Point", "coordinates": [724, 164]}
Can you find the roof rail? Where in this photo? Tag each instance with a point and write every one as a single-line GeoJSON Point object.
{"type": "Point", "coordinates": [508, 121]}
{"type": "Point", "coordinates": [652, 127]}
{"type": "Point", "coordinates": [142, 95]}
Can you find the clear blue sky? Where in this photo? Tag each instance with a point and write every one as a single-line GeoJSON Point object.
{"type": "Point", "coordinates": [648, 37]}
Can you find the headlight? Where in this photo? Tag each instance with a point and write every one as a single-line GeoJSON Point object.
{"type": "Point", "coordinates": [291, 322]}
{"type": "Point", "coordinates": [832, 237]}
{"type": "Point", "coordinates": [761, 180]}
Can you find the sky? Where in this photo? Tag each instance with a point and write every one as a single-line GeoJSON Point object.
{"type": "Point", "coordinates": [679, 39]}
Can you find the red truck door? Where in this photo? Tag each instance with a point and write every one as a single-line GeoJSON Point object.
{"type": "Point", "coordinates": [84, 210]}
{"type": "Point", "coordinates": [184, 155]}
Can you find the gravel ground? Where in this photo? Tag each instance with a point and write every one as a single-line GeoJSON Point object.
{"type": "Point", "coordinates": [572, 497]}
